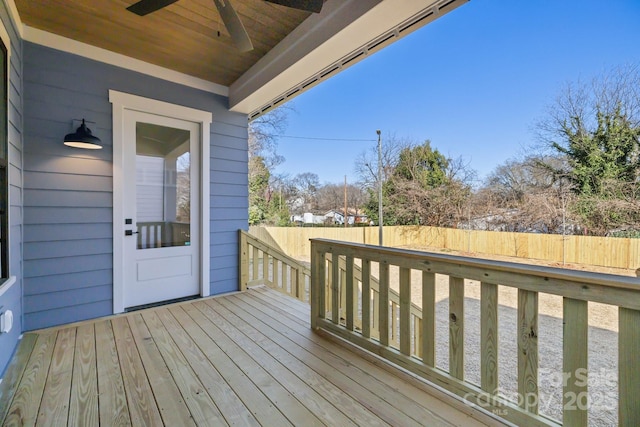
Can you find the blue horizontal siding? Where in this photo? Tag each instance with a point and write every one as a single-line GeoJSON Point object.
{"type": "Point", "coordinates": [51, 283]}
{"type": "Point", "coordinates": [67, 232]}
{"type": "Point", "coordinates": [68, 248]}
{"type": "Point", "coordinates": [12, 298]}
{"type": "Point", "coordinates": [68, 193]}
{"type": "Point", "coordinates": [62, 181]}
{"type": "Point", "coordinates": [66, 298]}
{"type": "Point", "coordinates": [68, 314]}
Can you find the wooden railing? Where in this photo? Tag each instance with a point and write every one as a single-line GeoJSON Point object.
{"type": "Point", "coordinates": [344, 303]}
{"type": "Point", "coordinates": [262, 264]}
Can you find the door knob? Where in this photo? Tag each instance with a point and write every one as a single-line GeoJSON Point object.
{"type": "Point", "coordinates": [130, 232]}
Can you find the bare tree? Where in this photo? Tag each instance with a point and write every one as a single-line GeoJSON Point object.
{"type": "Point", "coordinates": [524, 195]}
{"type": "Point", "coordinates": [307, 185]}
{"type": "Point", "coordinates": [366, 164]}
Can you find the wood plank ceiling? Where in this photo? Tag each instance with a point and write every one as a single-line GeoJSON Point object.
{"type": "Point", "coordinates": [187, 36]}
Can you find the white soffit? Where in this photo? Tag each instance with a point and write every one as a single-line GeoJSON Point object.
{"type": "Point", "coordinates": [345, 32]}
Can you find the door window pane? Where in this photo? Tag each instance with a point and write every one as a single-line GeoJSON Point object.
{"type": "Point", "coordinates": [163, 186]}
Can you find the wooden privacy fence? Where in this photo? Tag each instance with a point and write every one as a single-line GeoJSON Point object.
{"type": "Point", "coordinates": [600, 251]}
{"type": "Point", "coordinates": [366, 318]}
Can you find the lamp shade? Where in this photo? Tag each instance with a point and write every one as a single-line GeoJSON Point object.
{"type": "Point", "coordinates": [82, 138]}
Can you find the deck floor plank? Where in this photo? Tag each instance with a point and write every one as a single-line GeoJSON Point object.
{"type": "Point", "coordinates": [246, 359]}
{"type": "Point", "coordinates": [334, 387]}
{"type": "Point", "coordinates": [310, 398]}
{"type": "Point", "coordinates": [232, 408]}
{"type": "Point", "coordinates": [382, 399]}
{"type": "Point", "coordinates": [14, 373]}
{"type": "Point", "coordinates": [263, 409]}
{"type": "Point", "coordinates": [341, 407]}
{"type": "Point", "coordinates": [386, 376]}
{"type": "Point", "coordinates": [295, 411]}
{"type": "Point", "coordinates": [203, 409]}
{"type": "Point", "coordinates": [54, 408]}
{"type": "Point", "coordinates": [112, 399]}
{"type": "Point", "coordinates": [140, 401]}
{"type": "Point", "coordinates": [26, 401]}
{"type": "Point", "coordinates": [83, 407]}
{"type": "Point", "coordinates": [166, 393]}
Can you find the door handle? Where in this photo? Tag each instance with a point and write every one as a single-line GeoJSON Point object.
{"type": "Point", "coordinates": [130, 232]}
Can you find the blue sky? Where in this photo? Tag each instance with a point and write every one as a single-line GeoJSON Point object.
{"type": "Point", "coordinates": [473, 82]}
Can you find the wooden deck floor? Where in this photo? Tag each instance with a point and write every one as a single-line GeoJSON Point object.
{"type": "Point", "coordinates": [243, 359]}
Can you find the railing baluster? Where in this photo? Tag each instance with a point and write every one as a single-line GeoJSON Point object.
{"type": "Point", "coordinates": [300, 293]}
{"type": "Point", "coordinates": [428, 318]}
{"type": "Point", "coordinates": [405, 311]}
{"type": "Point", "coordinates": [366, 298]}
{"type": "Point", "coordinates": [574, 362]}
{"type": "Point", "coordinates": [628, 366]}
{"type": "Point", "coordinates": [383, 303]}
{"type": "Point", "coordinates": [335, 289]}
{"type": "Point", "coordinates": [256, 260]}
{"type": "Point", "coordinates": [265, 267]}
{"type": "Point", "coordinates": [456, 327]}
{"type": "Point", "coordinates": [277, 265]}
{"type": "Point", "coordinates": [350, 296]}
{"type": "Point", "coordinates": [489, 337]}
{"type": "Point", "coordinates": [528, 350]}
{"type": "Point", "coordinates": [417, 336]}
{"type": "Point", "coordinates": [393, 329]}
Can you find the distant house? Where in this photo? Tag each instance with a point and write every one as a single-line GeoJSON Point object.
{"type": "Point", "coordinates": [334, 216]}
{"type": "Point", "coordinates": [308, 218]}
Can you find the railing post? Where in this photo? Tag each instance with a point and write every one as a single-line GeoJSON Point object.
{"type": "Point", "coordinates": [243, 252]}
{"type": "Point", "coordinates": [317, 287]}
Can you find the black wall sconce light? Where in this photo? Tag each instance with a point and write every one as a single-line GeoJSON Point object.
{"type": "Point", "coordinates": [82, 138]}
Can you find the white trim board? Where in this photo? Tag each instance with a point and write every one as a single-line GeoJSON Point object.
{"type": "Point", "coordinates": [123, 101]}
{"type": "Point", "coordinates": [64, 44]}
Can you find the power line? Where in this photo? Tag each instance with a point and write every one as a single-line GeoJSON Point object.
{"type": "Point", "coordinates": [325, 139]}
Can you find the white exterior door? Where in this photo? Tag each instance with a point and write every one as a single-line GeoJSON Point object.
{"type": "Point", "coordinates": [161, 208]}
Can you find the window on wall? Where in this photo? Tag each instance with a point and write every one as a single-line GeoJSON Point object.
{"type": "Point", "coordinates": [4, 163]}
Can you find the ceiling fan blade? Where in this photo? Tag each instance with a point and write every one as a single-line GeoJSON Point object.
{"type": "Point", "coordinates": [314, 6]}
{"type": "Point", "coordinates": [144, 7]}
{"type": "Point", "coordinates": [234, 25]}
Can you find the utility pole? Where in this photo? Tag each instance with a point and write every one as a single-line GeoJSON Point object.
{"type": "Point", "coordinates": [379, 188]}
{"type": "Point", "coordinates": [345, 201]}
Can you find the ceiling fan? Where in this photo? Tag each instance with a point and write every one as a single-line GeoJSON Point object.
{"type": "Point", "coordinates": [228, 14]}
